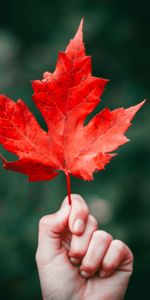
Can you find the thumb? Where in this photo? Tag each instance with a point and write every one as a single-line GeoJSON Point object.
{"type": "Point", "coordinates": [50, 231]}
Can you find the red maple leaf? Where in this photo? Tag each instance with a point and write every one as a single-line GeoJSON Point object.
{"type": "Point", "coordinates": [65, 98]}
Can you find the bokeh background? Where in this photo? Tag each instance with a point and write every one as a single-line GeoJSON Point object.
{"type": "Point", "coordinates": [117, 35]}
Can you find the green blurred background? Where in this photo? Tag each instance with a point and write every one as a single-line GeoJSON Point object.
{"type": "Point", "coordinates": [117, 35]}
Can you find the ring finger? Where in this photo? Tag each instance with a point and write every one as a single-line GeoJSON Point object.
{"type": "Point", "coordinates": [98, 246]}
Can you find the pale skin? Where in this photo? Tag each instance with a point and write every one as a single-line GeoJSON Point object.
{"type": "Point", "coordinates": [80, 262]}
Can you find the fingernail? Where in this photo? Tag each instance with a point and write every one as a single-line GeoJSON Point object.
{"type": "Point", "coordinates": [75, 261]}
{"type": "Point", "coordinates": [79, 226]}
{"type": "Point", "coordinates": [102, 274]}
{"type": "Point", "coordinates": [84, 274]}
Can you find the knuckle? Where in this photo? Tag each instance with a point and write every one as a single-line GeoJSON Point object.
{"type": "Point", "coordinates": [97, 234]}
{"type": "Point", "coordinates": [80, 199]}
{"type": "Point", "coordinates": [43, 221]}
{"type": "Point", "coordinates": [102, 235]}
{"type": "Point", "coordinates": [65, 201]}
{"type": "Point", "coordinates": [93, 221]}
{"type": "Point", "coordinates": [119, 245]}
{"type": "Point", "coordinates": [86, 210]}
{"type": "Point", "coordinates": [47, 220]}
{"type": "Point", "coordinates": [77, 197]}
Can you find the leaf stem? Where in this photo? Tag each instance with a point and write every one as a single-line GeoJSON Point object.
{"type": "Point", "coordinates": [68, 187]}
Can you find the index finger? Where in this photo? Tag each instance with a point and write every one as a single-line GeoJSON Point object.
{"type": "Point", "coordinates": [78, 214]}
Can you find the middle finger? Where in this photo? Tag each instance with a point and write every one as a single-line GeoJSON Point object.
{"type": "Point", "coordinates": [79, 244]}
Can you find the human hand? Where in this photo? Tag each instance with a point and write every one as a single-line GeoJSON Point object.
{"type": "Point", "coordinates": [76, 261]}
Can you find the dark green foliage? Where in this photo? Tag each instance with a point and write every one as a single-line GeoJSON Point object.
{"type": "Point", "coordinates": [117, 36]}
